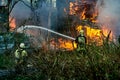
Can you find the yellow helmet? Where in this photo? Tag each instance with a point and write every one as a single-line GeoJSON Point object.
{"type": "Point", "coordinates": [81, 31]}
{"type": "Point", "coordinates": [22, 45]}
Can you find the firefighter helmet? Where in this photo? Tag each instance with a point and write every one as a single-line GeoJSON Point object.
{"type": "Point", "coordinates": [22, 45]}
{"type": "Point", "coordinates": [81, 31]}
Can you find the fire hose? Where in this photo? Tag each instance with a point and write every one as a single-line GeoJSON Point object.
{"type": "Point", "coordinates": [46, 29]}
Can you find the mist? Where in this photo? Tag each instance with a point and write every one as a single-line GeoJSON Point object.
{"type": "Point", "coordinates": [109, 14]}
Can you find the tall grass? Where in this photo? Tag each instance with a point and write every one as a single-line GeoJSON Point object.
{"type": "Point", "coordinates": [99, 63]}
{"type": "Point", "coordinates": [6, 61]}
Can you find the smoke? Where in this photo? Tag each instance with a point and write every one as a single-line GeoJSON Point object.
{"type": "Point", "coordinates": [21, 11]}
{"type": "Point", "coordinates": [43, 13]}
{"type": "Point", "coordinates": [109, 14]}
{"type": "Point", "coordinates": [39, 16]}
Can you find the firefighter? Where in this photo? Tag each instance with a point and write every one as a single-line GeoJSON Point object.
{"type": "Point", "coordinates": [81, 42]}
{"type": "Point", "coordinates": [20, 58]}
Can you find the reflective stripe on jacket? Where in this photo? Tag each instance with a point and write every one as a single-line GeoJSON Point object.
{"type": "Point", "coordinates": [19, 53]}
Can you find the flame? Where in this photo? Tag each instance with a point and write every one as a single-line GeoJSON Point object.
{"type": "Point", "coordinates": [92, 32]}
{"type": "Point", "coordinates": [66, 44]}
{"type": "Point", "coordinates": [80, 9]}
{"type": "Point", "coordinates": [83, 14]}
{"type": "Point", "coordinates": [106, 31]}
{"type": "Point", "coordinates": [63, 44]}
{"type": "Point", "coordinates": [72, 11]}
{"type": "Point", "coordinates": [93, 35]}
{"type": "Point", "coordinates": [94, 15]}
{"type": "Point", "coordinates": [12, 23]}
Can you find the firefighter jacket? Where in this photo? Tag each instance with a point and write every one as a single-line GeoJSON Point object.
{"type": "Point", "coordinates": [20, 55]}
{"type": "Point", "coordinates": [81, 43]}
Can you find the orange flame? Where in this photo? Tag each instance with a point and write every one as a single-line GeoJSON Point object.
{"type": "Point", "coordinates": [94, 15]}
{"type": "Point", "coordinates": [83, 14]}
{"type": "Point", "coordinates": [106, 31]}
{"type": "Point", "coordinates": [12, 23]}
{"type": "Point", "coordinates": [93, 34]}
{"type": "Point", "coordinates": [72, 11]}
{"type": "Point", "coordinates": [64, 44]}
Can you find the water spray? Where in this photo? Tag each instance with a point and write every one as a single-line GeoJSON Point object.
{"type": "Point", "coordinates": [43, 28]}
